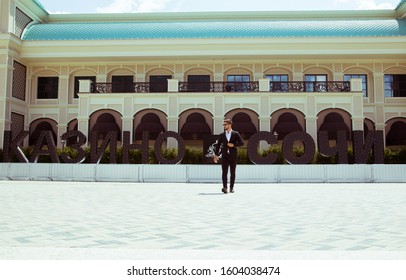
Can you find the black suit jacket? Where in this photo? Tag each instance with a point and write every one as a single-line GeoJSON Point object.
{"type": "Point", "coordinates": [225, 150]}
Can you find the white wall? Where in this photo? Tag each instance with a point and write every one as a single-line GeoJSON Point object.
{"type": "Point", "coordinates": [203, 173]}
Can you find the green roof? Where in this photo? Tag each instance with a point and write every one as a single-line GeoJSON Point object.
{"type": "Point", "coordinates": [216, 29]}
{"type": "Point", "coordinates": [401, 3]}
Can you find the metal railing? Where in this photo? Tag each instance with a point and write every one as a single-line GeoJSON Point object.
{"type": "Point", "coordinates": [331, 86]}
{"type": "Point", "coordinates": [139, 87]}
{"type": "Point", "coordinates": [219, 87]}
{"type": "Point", "coordinates": [146, 87]}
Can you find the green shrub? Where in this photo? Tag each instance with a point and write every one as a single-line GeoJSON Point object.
{"type": "Point", "coordinates": [196, 155]}
{"type": "Point", "coordinates": [193, 156]}
{"type": "Point", "coordinates": [395, 156]}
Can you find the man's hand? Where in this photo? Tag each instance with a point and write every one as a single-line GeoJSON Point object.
{"type": "Point", "coordinates": [230, 145]}
{"type": "Point", "coordinates": [215, 159]}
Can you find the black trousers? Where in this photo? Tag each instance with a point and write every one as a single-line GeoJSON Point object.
{"type": "Point", "coordinates": [227, 162]}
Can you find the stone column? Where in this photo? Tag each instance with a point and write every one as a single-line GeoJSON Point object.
{"type": "Point", "coordinates": [173, 85]}
{"type": "Point", "coordinates": [6, 81]}
{"type": "Point", "coordinates": [140, 78]}
{"type": "Point", "coordinates": [85, 86]}
{"type": "Point", "coordinates": [128, 116]}
{"type": "Point", "coordinates": [7, 14]}
{"type": "Point", "coordinates": [179, 77]}
{"type": "Point", "coordinates": [218, 125]}
{"type": "Point", "coordinates": [311, 117]}
{"type": "Point", "coordinates": [264, 125]}
{"type": "Point", "coordinates": [218, 77]}
{"type": "Point", "coordinates": [173, 125]}
{"type": "Point", "coordinates": [311, 127]}
{"type": "Point", "coordinates": [83, 116]}
{"type": "Point", "coordinates": [264, 85]}
{"type": "Point", "coordinates": [128, 126]}
{"type": "Point", "coordinates": [63, 106]}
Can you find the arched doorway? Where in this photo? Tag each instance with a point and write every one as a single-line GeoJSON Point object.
{"type": "Point", "coordinates": [397, 135]}
{"type": "Point", "coordinates": [286, 123]}
{"type": "Point", "coordinates": [38, 126]}
{"type": "Point", "coordinates": [243, 124]}
{"type": "Point", "coordinates": [151, 123]}
{"type": "Point", "coordinates": [195, 128]}
{"type": "Point", "coordinates": [105, 123]}
{"type": "Point", "coordinates": [334, 122]}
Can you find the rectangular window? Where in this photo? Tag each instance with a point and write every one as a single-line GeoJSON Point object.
{"type": "Point", "coordinates": [316, 83]}
{"type": "Point", "coordinates": [122, 83]}
{"type": "Point", "coordinates": [278, 83]}
{"type": "Point", "coordinates": [158, 83]}
{"type": "Point", "coordinates": [395, 85]}
{"type": "Point", "coordinates": [47, 88]}
{"type": "Point", "coordinates": [238, 83]}
{"type": "Point", "coordinates": [363, 77]}
{"type": "Point", "coordinates": [198, 83]}
{"type": "Point", "coordinates": [77, 78]}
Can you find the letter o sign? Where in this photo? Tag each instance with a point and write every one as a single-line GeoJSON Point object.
{"type": "Point", "coordinates": [158, 144]}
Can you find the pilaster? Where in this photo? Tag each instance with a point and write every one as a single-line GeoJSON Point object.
{"type": "Point", "coordinates": [128, 125]}
{"type": "Point", "coordinates": [6, 81]}
{"type": "Point", "coordinates": [7, 15]}
{"type": "Point", "coordinates": [173, 124]}
{"type": "Point", "coordinates": [311, 127]}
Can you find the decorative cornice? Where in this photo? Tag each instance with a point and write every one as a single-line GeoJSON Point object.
{"type": "Point", "coordinates": [260, 15]}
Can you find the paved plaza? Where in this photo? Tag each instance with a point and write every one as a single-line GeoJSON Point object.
{"type": "Point", "coordinates": [60, 220]}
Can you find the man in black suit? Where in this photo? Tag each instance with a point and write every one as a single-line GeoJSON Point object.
{"type": "Point", "coordinates": [229, 140]}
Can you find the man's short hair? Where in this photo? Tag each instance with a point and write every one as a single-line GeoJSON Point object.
{"type": "Point", "coordinates": [228, 121]}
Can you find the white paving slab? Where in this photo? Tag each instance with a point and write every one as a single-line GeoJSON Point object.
{"type": "Point", "coordinates": [145, 220]}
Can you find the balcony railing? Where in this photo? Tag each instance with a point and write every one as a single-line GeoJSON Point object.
{"type": "Point", "coordinates": [144, 87]}
{"type": "Point", "coordinates": [219, 87]}
{"type": "Point", "coordinates": [332, 86]}
{"type": "Point", "coordinates": [129, 87]}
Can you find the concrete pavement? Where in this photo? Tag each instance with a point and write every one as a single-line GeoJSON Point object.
{"type": "Point", "coordinates": [74, 220]}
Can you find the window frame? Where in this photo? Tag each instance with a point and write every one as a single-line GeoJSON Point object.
{"type": "Point", "coordinates": [234, 85]}
{"type": "Point", "coordinates": [43, 94]}
{"type": "Point", "coordinates": [282, 85]}
{"type": "Point", "coordinates": [310, 84]}
{"type": "Point", "coordinates": [348, 77]}
{"type": "Point", "coordinates": [395, 86]}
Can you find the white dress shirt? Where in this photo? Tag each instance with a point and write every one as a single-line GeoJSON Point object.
{"type": "Point", "coordinates": [228, 135]}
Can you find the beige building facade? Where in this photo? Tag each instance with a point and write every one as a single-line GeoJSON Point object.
{"type": "Point", "coordinates": [185, 72]}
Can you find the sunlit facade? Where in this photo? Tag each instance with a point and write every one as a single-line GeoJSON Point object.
{"type": "Point", "coordinates": [185, 72]}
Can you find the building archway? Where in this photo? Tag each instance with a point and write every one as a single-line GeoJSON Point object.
{"type": "Point", "coordinates": [243, 123]}
{"type": "Point", "coordinates": [286, 121]}
{"type": "Point", "coordinates": [195, 127]}
{"type": "Point", "coordinates": [37, 126]}
{"type": "Point", "coordinates": [396, 135]}
{"type": "Point", "coordinates": [333, 120]}
{"type": "Point", "coordinates": [104, 121]}
{"type": "Point", "coordinates": [150, 122]}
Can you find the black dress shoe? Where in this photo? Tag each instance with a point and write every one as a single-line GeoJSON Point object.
{"type": "Point", "coordinates": [224, 190]}
{"type": "Point", "coordinates": [231, 191]}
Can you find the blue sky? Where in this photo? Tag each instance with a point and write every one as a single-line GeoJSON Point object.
{"type": "Point", "coordinates": [132, 6]}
